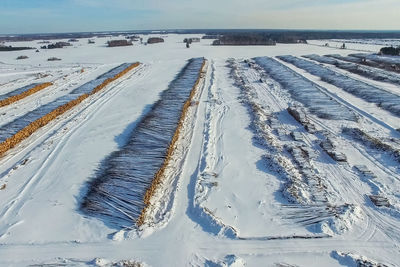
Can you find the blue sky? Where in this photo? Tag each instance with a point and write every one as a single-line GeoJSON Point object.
{"type": "Point", "coordinates": [36, 16]}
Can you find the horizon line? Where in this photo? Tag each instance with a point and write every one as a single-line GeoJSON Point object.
{"type": "Point", "coordinates": [199, 30]}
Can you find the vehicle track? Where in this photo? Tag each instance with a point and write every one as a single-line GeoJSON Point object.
{"type": "Point", "coordinates": [73, 120]}
{"type": "Point", "coordinates": [59, 88]}
{"type": "Point", "coordinates": [375, 219]}
{"type": "Point", "coordinates": [381, 221]}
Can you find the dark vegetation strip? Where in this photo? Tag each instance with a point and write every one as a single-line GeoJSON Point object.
{"type": "Point", "coordinates": [363, 60]}
{"type": "Point", "coordinates": [305, 91]}
{"type": "Point", "coordinates": [379, 59]}
{"type": "Point", "coordinates": [122, 188]}
{"type": "Point", "coordinates": [368, 72]}
{"type": "Point", "coordinates": [21, 93]}
{"type": "Point", "coordinates": [371, 142]}
{"type": "Point", "coordinates": [21, 128]}
{"type": "Point", "coordinates": [370, 93]}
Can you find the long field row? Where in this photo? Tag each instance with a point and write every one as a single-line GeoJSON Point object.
{"type": "Point", "coordinates": [378, 59]}
{"type": "Point", "coordinates": [16, 131]}
{"type": "Point", "coordinates": [305, 91]}
{"type": "Point", "coordinates": [127, 179]}
{"type": "Point", "coordinates": [21, 93]}
{"type": "Point", "coordinates": [370, 93]}
{"type": "Point", "coordinates": [368, 72]}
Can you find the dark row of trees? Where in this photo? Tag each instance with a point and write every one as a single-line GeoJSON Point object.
{"type": "Point", "coordinates": [12, 48]}
{"type": "Point", "coordinates": [244, 39]}
{"type": "Point", "coordinates": [56, 45]}
{"type": "Point", "coordinates": [392, 51]}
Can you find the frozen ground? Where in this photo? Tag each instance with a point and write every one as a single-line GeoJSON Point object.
{"type": "Point", "coordinates": [249, 184]}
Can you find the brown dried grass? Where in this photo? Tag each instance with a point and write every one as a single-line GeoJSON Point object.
{"type": "Point", "coordinates": [160, 174]}
{"type": "Point", "coordinates": [13, 99]}
{"type": "Point", "coordinates": [34, 126]}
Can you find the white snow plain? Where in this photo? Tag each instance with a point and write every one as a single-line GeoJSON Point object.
{"type": "Point", "coordinates": [226, 200]}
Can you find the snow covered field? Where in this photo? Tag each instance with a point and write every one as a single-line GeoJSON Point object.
{"type": "Point", "coordinates": [273, 166]}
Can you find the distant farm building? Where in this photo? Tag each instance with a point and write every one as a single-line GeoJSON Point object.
{"type": "Point", "coordinates": [115, 43]}
{"type": "Point", "coordinates": [154, 40]}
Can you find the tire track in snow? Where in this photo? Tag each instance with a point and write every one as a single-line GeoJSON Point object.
{"type": "Point", "coordinates": [383, 223]}
{"type": "Point", "coordinates": [80, 114]}
{"type": "Point", "coordinates": [334, 172]}
{"type": "Point", "coordinates": [59, 88]}
{"type": "Point", "coordinates": [211, 161]}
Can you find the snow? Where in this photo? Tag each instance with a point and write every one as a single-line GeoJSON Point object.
{"type": "Point", "coordinates": [229, 197]}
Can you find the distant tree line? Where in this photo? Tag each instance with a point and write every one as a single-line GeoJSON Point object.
{"type": "Point", "coordinates": [56, 45]}
{"type": "Point", "coordinates": [276, 35]}
{"type": "Point", "coordinates": [11, 48]}
{"type": "Point", "coordinates": [244, 39]}
{"type": "Point", "coordinates": [392, 51]}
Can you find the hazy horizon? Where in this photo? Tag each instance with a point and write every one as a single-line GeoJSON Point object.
{"type": "Point", "coordinates": [49, 16]}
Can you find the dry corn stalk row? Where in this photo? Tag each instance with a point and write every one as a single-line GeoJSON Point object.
{"type": "Point", "coordinates": [126, 181]}
{"type": "Point", "coordinates": [311, 95]}
{"type": "Point", "coordinates": [21, 93]}
{"type": "Point", "coordinates": [370, 93]}
{"type": "Point", "coordinates": [16, 131]}
{"type": "Point", "coordinates": [157, 180]}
